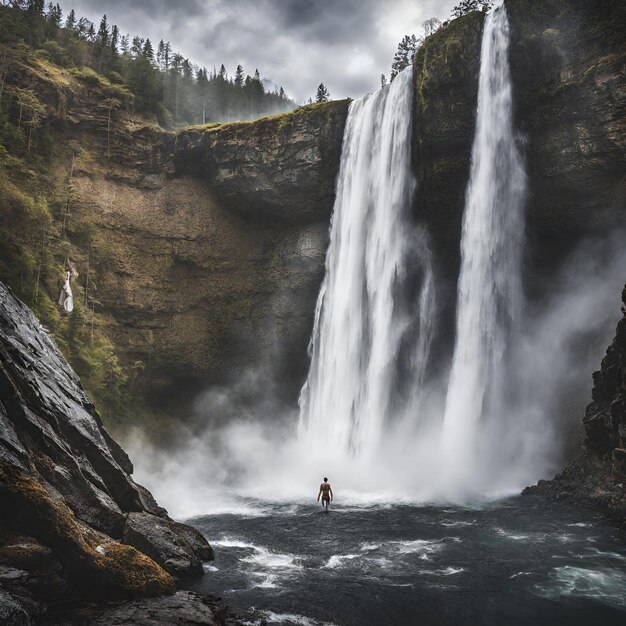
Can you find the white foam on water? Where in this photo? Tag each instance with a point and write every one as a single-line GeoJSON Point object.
{"type": "Point", "coordinates": [604, 585]}
{"type": "Point", "coordinates": [447, 571]}
{"type": "Point", "coordinates": [338, 560]}
{"type": "Point", "coordinates": [292, 618]}
{"type": "Point", "coordinates": [272, 560]}
{"type": "Point", "coordinates": [594, 552]}
{"type": "Point", "coordinates": [267, 582]}
{"type": "Point", "coordinates": [511, 535]}
{"type": "Point", "coordinates": [368, 547]}
{"type": "Point", "coordinates": [228, 542]}
{"type": "Point", "coordinates": [425, 548]}
{"type": "Point", "coordinates": [458, 523]}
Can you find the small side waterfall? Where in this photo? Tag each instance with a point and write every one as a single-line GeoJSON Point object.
{"type": "Point", "coordinates": [489, 288]}
{"type": "Point", "coordinates": [369, 333]}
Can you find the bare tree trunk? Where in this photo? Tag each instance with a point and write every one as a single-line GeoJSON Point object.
{"type": "Point", "coordinates": [67, 202]}
{"type": "Point", "coordinates": [43, 249]}
{"type": "Point", "coordinates": [109, 134]}
{"type": "Point", "coordinates": [4, 77]}
{"type": "Point", "coordinates": [93, 312]}
{"type": "Point", "coordinates": [87, 291]}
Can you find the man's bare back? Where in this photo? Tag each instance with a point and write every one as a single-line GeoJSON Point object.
{"type": "Point", "coordinates": [326, 493]}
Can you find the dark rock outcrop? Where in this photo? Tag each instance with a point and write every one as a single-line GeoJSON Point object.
{"type": "Point", "coordinates": [597, 477]}
{"type": "Point", "coordinates": [71, 517]}
{"type": "Point", "coordinates": [283, 166]}
{"type": "Point", "coordinates": [184, 608]}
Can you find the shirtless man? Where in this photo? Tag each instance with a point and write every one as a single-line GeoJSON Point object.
{"type": "Point", "coordinates": [326, 493]}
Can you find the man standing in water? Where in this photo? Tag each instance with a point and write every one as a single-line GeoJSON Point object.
{"type": "Point", "coordinates": [326, 493]}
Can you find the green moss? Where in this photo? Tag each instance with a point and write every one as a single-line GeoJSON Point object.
{"type": "Point", "coordinates": [121, 571]}
{"type": "Point", "coordinates": [97, 81]}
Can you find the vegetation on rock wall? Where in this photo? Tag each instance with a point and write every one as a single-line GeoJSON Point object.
{"type": "Point", "coordinates": [39, 237]}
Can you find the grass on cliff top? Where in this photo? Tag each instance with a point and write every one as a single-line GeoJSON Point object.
{"type": "Point", "coordinates": [280, 120]}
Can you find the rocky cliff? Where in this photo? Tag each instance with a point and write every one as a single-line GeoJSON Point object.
{"type": "Point", "coordinates": [567, 62]}
{"type": "Point", "coordinates": [597, 476]}
{"type": "Point", "coordinates": [191, 252]}
{"type": "Point", "coordinates": [72, 520]}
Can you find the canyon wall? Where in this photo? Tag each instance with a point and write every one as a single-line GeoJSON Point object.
{"type": "Point", "coordinates": [197, 255]}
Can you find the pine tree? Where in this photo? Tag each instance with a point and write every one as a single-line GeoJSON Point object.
{"type": "Point", "coordinates": [147, 51]}
{"type": "Point", "coordinates": [322, 95]}
{"type": "Point", "coordinates": [103, 32]}
{"type": "Point", "coordinates": [136, 48]}
{"type": "Point", "coordinates": [405, 53]}
{"type": "Point", "coordinates": [467, 6]}
{"type": "Point", "coordinates": [159, 54]}
{"type": "Point", "coordinates": [239, 76]}
{"type": "Point", "coordinates": [70, 21]}
{"type": "Point", "coordinates": [383, 80]}
{"type": "Point", "coordinates": [115, 39]}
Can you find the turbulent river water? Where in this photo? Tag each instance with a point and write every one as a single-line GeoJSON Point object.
{"type": "Point", "coordinates": [517, 561]}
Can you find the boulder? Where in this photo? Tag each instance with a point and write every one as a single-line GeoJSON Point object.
{"type": "Point", "coordinates": [180, 549]}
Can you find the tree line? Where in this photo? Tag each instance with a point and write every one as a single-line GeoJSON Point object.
{"type": "Point", "coordinates": [161, 80]}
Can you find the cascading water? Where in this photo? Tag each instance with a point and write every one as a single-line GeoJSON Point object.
{"type": "Point", "coordinates": [489, 289]}
{"type": "Point", "coordinates": [368, 332]}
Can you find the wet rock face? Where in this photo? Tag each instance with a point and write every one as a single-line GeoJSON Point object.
{"type": "Point", "coordinates": [567, 65]}
{"type": "Point", "coordinates": [567, 61]}
{"type": "Point", "coordinates": [67, 500]}
{"type": "Point", "coordinates": [596, 477]}
{"type": "Point", "coordinates": [605, 417]}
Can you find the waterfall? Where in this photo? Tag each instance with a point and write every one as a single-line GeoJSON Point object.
{"type": "Point", "coordinates": [489, 287]}
{"type": "Point", "coordinates": [374, 316]}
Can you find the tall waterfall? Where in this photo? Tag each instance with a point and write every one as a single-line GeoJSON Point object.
{"type": "Point", "coordinates": [374, 316]}
{"type": "Point", "coordinates": [489, 288]}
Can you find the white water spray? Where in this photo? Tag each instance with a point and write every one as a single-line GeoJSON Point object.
{"type": "Point", "coordinates": [365, 331]}
{"type": "Point", "coordinates": [489, 290]}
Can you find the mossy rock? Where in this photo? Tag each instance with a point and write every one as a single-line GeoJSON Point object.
{"type": "Point", "coordinates": [91, 560]}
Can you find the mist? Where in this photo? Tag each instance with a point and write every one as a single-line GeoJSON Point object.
{"type": "Point", "coordinates": [245, 448]}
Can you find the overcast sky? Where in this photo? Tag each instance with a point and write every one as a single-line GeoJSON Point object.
{"type": "Point", "coordinates": [346, 44]}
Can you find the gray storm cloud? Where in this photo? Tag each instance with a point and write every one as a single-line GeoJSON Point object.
{"type": "Point", "coordinates": [346, 44]}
